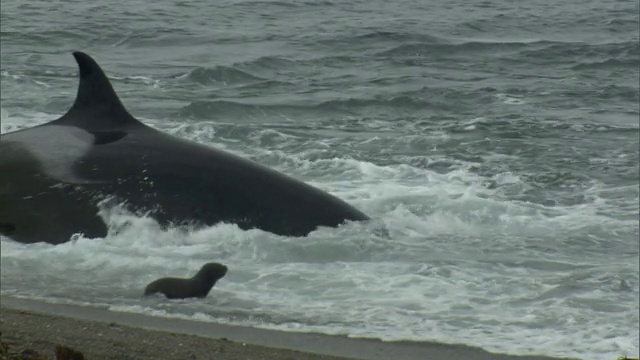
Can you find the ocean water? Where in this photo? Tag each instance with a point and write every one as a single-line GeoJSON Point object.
{"type": "Point", "coordinates": [497, 141]}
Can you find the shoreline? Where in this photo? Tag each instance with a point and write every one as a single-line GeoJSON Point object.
{"type": "Point", "coordinates": [103, 334]}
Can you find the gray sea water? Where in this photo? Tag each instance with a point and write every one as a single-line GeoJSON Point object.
{"type": "Point", "coordinates": [496, 140]}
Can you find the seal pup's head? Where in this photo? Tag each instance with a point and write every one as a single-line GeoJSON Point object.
{"type": "Point", "coordinates": [211, 273]}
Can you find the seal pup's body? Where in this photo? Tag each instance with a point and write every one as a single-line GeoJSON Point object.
{"type": "Point", "coordinates": [198, 286]}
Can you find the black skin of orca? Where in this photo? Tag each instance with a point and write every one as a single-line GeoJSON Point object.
{"type": "Point", "coordinates": [173, 180]}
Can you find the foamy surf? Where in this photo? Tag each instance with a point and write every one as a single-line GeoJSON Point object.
{"type": "Point", "coordinates": [459, 264]}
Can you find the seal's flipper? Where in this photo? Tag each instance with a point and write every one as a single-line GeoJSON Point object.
{"type": "Point", "coordinates": [97, 106]}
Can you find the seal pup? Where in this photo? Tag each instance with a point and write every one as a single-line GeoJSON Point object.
{"type": "Point", "coordinates": [197, 286]}
{"type": "Point", "coordinates": [53, 177]}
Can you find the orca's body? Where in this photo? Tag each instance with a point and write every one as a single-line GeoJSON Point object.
{"type": "Point", "coordinates": [52, 176]}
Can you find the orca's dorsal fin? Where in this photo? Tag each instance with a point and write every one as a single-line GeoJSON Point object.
{"type": "Point", "coordinates": [97, 106]}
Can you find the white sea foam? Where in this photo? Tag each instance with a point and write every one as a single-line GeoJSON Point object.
{"type": "Point", "coordinates": [510, 99]}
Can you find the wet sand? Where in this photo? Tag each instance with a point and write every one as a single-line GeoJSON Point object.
{"type": "Point", "coordinates": [102, 334]}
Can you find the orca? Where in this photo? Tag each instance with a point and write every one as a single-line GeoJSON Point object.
{"type": "Point", "coordinates": [53, 177]}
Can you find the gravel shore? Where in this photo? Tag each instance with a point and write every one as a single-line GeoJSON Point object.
{"type": "Point", "coordinates": [32, 330]}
